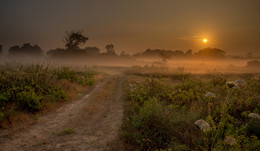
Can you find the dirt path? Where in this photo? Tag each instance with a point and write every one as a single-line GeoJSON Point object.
{"type": "Point", "coordinates": [96, 119]}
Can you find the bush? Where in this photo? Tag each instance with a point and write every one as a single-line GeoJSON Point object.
{"type": "Point", "coordinates": [161, 115]}
{"type": "Point", "coordinates": [29, 101]}
{"type": "Point", "coordinates": [32, 87]}
{"type": "Point", "coordinates": [150, 127]}
{"type": "Point", "coordinates": [79, 77]}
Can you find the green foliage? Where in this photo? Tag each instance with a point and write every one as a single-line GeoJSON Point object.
{"type": "Point", "coordinates": [29, 88]}
{"type": "Point", "coordinates": [56, 93]}
{"type": "Point", "coordinates": [151, 121]}
{"type": "Point", "coordinates": [73, 76]}
{"type": "Point", "coordinates": [29, 101]}
{"type": "Point", "coordinates": [151, 127]}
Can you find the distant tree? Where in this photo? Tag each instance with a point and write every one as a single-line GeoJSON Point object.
{"type": "Point", "coordinates": [123, 53]}
{"type": "Point", "coordinates": [188, 52]}
{"type": "Point", "coordinates": [249, 54]}
{"type": "Point", "coordinates": [73, 39]}
{"type": "Point", "coordinates": [211, 52]}
{"type": "Point", "coordinates": [67, 53]}
{"type": "Point", "coordinates": [253, 64]}
{"type": "Point", "coordinates": [1, 49]}
{"type": "Point", "coordinates": [58, 52]}
{"type": "Point", "coordinates": [152, 52]}
{"type": "Point", "coordinates": [110, 49]}
{"type": "Point", "coordinates": [92, 50]}
{"type": "Point", "coordinates": [178, 53]}
{"type": "Point", "coordinates": [25, 49]}
{"type": "Point", "coordinates": [167, 54]}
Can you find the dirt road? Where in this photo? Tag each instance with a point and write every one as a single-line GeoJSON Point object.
{"type": "Point", "coordinates": [93, 121]}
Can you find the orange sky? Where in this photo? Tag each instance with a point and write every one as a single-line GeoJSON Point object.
{"type": "Point", "coordinates": [133, 26]}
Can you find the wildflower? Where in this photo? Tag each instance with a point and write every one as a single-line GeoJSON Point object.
{"type": "Point", "coordinates": [131, 85]}
{"type": "Point", "coordinates": [254, 115]}
{"type": "Point", "coordinates": [240, 82]}
{"type": "Point", "coordinates": [257, 78]}
{"type": "Point", "coordinates": [203, 125]}
{"type": "Point", "coordinates": [138, 81]}
{"type": "Point", "coordinates": [230, 84]}
{"type": "Point", "coordinates": [210, 94]}
{"type": "Point", "coordinates": [230, 140]}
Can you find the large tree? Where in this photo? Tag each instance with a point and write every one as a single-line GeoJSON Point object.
{"type": "Point", "coordinates": [73, 39]}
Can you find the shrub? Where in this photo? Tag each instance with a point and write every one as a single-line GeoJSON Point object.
{"type": "Point", "coordinates": [32, 87]}
{"type": "Point", "coordinates": [29, 101]}
{"type": "Point", "coordinates": [150, 127]}
{"type": "Point", "coordinates": [156, 107]}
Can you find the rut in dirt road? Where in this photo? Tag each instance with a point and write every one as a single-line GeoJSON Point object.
{"type": "Point", "coordinates": [96, 119]}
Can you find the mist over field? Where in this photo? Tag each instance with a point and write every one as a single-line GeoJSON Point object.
{"type": "Point", "coordinates": [188, 64]}
{"type": "Point", "coordinates": [171, 75]}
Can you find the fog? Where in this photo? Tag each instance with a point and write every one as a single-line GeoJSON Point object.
{"type": "Point", "coordinates": [153, 64]}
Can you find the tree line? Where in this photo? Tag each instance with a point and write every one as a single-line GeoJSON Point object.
{"type": "Point", "coordinates": [74, 39]}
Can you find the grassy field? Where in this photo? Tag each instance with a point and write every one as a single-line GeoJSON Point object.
{"type": "Point", "coordinates": [182, 111]}
{"type": "Point", "coordinates": [28, 89]}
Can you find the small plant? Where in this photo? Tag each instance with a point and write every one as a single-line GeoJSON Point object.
{"type": "Point", "coordinates": [67, 131]}
{"type": "Point", "coordinates": [36, 117]}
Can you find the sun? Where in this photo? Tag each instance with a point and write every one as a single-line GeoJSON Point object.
{"type": "Point", "coordinates": [205, 40]}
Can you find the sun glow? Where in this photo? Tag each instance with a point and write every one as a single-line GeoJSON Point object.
{"type": "Point", "coordinates": [205, 40]}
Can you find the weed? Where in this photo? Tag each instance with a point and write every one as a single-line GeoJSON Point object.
{"type": "Point", "coordinates": [67, 131]}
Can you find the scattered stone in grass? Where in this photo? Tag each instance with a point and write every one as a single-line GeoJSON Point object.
{"type": "Point", "coordinates": [254, 115]}
{"type": "Point", "coordinates": [203, 125]}
{"type": "Point", "coordinates": [236, 86]}
{"type": "Point", "coordinates": [210, 94]}
{"type": "Point", "coordinates": [230, 140]}
{"type": "Point", "coordinates": [240, 82]}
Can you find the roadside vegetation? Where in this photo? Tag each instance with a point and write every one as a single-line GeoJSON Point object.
{"type": "Point", "coordinates": [182, 111]}
{"type": "Point", "coordinates": [33, 88]}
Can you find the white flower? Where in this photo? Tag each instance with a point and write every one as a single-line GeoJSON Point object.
{"type": "Point", "coordinates": [254, 115]}
{"type": "Point", "coordinates": [131, 85]}
{"type": "Point", "coordinates": [230, 140]}
{"type": "Point", "coordinates": [203, 125]}
{"type": "Point", "coordinates": [210, 94]}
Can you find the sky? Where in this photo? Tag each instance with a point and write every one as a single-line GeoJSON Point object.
{"type": "Point", "coordinates": [134, 25]}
